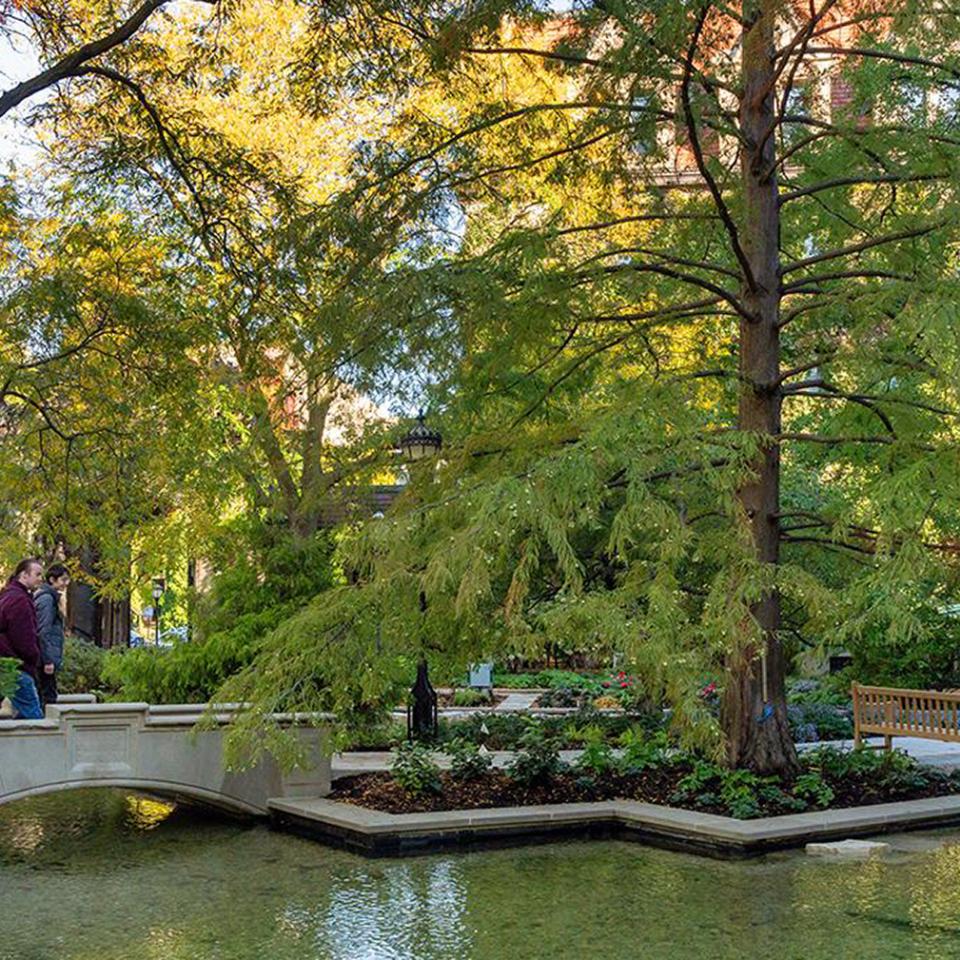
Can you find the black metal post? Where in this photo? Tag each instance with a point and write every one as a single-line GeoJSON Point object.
{"type": "Point", "coordinates": [422, 706]}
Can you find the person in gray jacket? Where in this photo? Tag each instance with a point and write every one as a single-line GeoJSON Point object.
{"type": "Point", "coordinates": [50, 628]}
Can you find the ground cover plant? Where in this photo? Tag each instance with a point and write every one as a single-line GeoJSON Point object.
{"type": "Point", "coordinates": [641, 768]}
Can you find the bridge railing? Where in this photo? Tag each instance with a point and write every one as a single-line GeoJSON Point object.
{"type": "Point", "coordinates": [154, 747]}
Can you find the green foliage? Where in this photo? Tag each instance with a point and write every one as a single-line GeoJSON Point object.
{"type": "Point", "coordinates": [832, 689]}
{"type": "Point", "coordinates": [564, 697]}
{"type": "Point", "coordinates": [812, 788]}
{"type": "Point", "coordinates": [839, 764]}
{"type": "Point", "coordinates": [597, 757]}
{"type": "Point", "coordinates": [640, 750]}
{"type": "Point", "coordinates": [549, 679]}
{"type": "Point", "coordinates": [84, 669]}
{"type": "Point", "coordinates": [9, 669]}
{"type": "Point", "coordinates": [266, 575]}
{"type": "Point", "coordinates": [504, 731]}
{"type": "Point", "coordinates": [415, 770]}
{"type": "Point", "coordinates": [583, 333]}
{"type": "Point", "coordinates": [910, 643]}
{"type": "Point", "coordinates": [374, 736]}
{"type": "Point", "coordinates": [738, 792]}
{"type": "Point", "coordinates": [467, 760]}
{"type": "Point", "coordinates": [538, 759]}
{"type": "Point", "coordinates": [470, 698]}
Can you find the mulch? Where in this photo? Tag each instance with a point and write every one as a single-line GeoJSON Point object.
{"type": "Point", "coordinates": [379, 791]}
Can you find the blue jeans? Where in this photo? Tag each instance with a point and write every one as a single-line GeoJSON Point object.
{"type": "Point", "coordinates": [25, 700]}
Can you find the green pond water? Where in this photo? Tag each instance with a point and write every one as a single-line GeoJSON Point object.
{"type": "Point", "coordinates": [98, 874]}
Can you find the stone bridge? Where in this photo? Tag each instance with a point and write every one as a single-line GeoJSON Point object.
{"type": "Point", "coordinates": [154, 749]}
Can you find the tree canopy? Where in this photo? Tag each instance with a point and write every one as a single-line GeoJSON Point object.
{"type": "Point", "coordinates": [678, 281]}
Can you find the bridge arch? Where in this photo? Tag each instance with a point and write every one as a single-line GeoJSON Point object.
{"type": "Point", "coordinates": [172, 792]}
{"type": "Point", "coordinates": [148, 749]}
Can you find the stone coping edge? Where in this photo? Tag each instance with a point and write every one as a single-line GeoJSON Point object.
{"type": "Point", "coordinates": [377, 834]}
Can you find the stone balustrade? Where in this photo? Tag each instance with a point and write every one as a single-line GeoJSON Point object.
{"type": "Point", "coordinates": [155, 749]}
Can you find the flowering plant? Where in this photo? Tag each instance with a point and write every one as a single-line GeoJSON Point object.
{"type": "Point", "coordinates": [709, 694]}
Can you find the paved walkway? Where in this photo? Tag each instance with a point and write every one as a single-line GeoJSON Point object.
{"type": "Point", "coordinates": [517, 701]}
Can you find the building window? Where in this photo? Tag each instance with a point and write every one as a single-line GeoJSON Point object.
{"type": "Point", "coordinates": [796, 107]}
{"type": "Point", "coordinates": [642, 133]}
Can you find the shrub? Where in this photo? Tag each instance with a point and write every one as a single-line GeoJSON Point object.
{"type": "Point", "coordinates": [641, 751]}
{"type": "Point", "coordinates": [469, 698]}
{"type": "Point", "coordinates": [597, 757]}
{"type": "Point", "coordinates": [538, 760]}
{"type": "Point", "coordinates": [738, 792]}
{"type": "Point", "coordinates": [503, 731]}
{"type": "Point", "coordinates": [467, 760]}
{"type": "Point", "coordinates": [380, 736]}
{"type": "Point", "coordinates": [550, 679]}
{"type": "Point", "coordinates": [85, 668]}
{"type": "Point", "coordinates": [813, 788]}
{"type": "Point", "coordinates": [820, 721]}
{"type": "Point", "coordinates": [832, 689]}
{"type": "Point", "coordinates": [415, 770]}
{"type": "Point", "coordinates": [886, 769]}
{"type": "Point", "coordinates": [264, 581]}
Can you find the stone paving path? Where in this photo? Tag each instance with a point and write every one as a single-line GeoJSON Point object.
{"type": "Point", "coordinates": [517, 701]}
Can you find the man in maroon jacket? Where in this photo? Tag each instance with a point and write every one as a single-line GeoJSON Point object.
{"type": "Point", "coordinates": [19, 638]}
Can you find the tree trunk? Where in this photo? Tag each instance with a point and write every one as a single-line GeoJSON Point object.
{"type": "Point", "coordinates": [754, 707]}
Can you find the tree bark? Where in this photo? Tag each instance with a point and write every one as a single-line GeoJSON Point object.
{"type": "Point", "coordinates": [753, 712]}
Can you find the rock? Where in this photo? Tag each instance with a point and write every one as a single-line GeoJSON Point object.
{"type": "Point", "coordinates": [847, 848]}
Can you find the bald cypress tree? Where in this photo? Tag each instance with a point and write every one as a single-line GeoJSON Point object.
{"type": "Point", "coordinates": [696, 330]}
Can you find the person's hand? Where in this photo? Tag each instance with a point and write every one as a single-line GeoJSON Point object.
{"type": "Point", "coordinates": [48, 668]}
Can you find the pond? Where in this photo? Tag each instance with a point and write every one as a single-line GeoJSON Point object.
{"type": "Point", "coordinates": [100, 874]}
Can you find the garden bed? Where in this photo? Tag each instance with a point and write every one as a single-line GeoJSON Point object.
{"type": "Point", "coordinates": [829, 780]}
{"type": "Point", "coordinates": [464, 698]}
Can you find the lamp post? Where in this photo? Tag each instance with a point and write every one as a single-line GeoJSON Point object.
{"type": "Point", "coordinates": [418, 444]}
{"type": "Point", "coordinates": [159, 585]}
{"type": "Point", "coordinates": [420, 441]}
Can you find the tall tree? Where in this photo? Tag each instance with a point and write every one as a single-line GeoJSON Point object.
{"type": "Point", "coordinates": [658, 408]}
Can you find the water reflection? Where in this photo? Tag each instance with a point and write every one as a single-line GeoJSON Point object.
{"type": "Point", "coordinates": [403, 911]}
{"type": "Point", "coordinates": [99, 874]}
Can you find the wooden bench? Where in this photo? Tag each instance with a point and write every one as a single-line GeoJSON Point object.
{"type": "Point", "coordinates": [893, 712]}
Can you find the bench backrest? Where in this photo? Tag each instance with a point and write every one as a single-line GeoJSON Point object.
{"type": "Point", "coordinates": [891, 711]}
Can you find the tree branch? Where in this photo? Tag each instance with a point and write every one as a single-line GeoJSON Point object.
{"type": "Point", "coordinates": [69, 65]}
{"type": "Point", "coordinates": [695, 146]}
{"type": "Point", "coordinates": [860, 247]}
{"type": "Point", "coordinates": [854, 181]}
